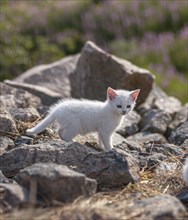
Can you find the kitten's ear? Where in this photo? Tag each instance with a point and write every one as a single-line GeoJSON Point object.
{"type": "Point", "coordinates": [134, 94]}
{"type": "Point", "coordinates": [111, 94]}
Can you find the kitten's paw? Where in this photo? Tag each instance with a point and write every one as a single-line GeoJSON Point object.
{"type": "Point", "coordinates": [30, 131]}
{"type": "Point", "coordinates": [109, 148]}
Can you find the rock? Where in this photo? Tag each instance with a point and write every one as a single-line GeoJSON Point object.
{"type": "Point", "coordinates": [96, 70]}
{"type": "Point", "coordinates": [147, 137]}
{"type": "Point", "coordinates": [155, 121]}
{"type": "Point", "coordinates": [117, 139]}
{"type": "Point", "coordinates": [7, 124]}
{"type": "Point", "coordinates": [183, 197]}
{"type": "Point", "coordinates": [166, 149]}
{"type": "Point", "coordinates": [110, 169]}
{"type": "Point", "coordinates": [162, 207]}
{"type": "Point", "coordinates": [155, 155]}
{"type": "Point", "coordinates": [12, 196]}
{"type": "Point", "coordinates": [104, 166]}
{"type": "Point", "coordinates": [14, 97]}
{"type": "Point", "coordinates": [165, 167]}
{"type": "Point", "coordinates": [170, 105]}
{"type": "Point", "coordinates": [50, 151]}
{"type": "Point", "coordinates": [23, 140]}
{"type": "Point", "coordinates": [179, 134]}
{"type": "Point", "coordinates": [47, 96]}
{"type": "Point", "coordinates": [6, 143]}
{"type": "Point", "coordinates": [120, 142]}
{"type": "Point", "coordinates": [24, 114]}
{"type": "Point", "coordinates": [155, 94]}
{"type": "Point", "coordinates": [158, 99]}
{"type": "Point", "coordinates": [179, 118]}
{"type": "Point", "coordinates": [56, 182]}
{"type": "Point", "coordinates": [3, 179]}
{"type": "Point", "coordinates": [54, 76]}
{"type": "Point", "coordinates": [134, 146]}
{"type": "Point", "coordinates": [184, 144]}
{"type": "Point", "coordinates": [149, 161]}
{"type": "Point", "coordinates": [129, 125]}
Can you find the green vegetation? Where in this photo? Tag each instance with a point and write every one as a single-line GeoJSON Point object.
{"type": "Point", "coordinates": [152, 34]}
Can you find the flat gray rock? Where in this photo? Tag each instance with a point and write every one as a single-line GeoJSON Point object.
{"type": "Point", "coordinates": [48, 97]}
{"type": "Point", "coordinates": [53, 76]}
{"type": "Point", "coordinates": [12, 97]}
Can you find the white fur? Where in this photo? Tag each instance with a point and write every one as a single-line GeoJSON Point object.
{"type": "Point", "coordinates": [83, 116]}
{"type": "Point", "coordinates": [185, 172]}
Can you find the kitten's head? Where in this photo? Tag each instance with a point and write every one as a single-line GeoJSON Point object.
{"type": "Point", "coordinates": [121, 101]}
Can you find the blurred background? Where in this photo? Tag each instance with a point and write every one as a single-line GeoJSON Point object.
{"type": "Point", "coordinates": [152, 34]}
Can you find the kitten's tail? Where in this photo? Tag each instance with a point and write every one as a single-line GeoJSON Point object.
{"type": "Point", "coordinates": [42, 125]}
{"type": "Point", "coordinates": [185, 172]}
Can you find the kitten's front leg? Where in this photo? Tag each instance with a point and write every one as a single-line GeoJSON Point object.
{"type": "Point", "coordinates": [107, 140]}
{"type": "Point", "coordinates": [100, 143]}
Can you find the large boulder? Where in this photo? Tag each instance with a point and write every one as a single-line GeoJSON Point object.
{"type": "Point", "coordinates": [97, 69]}
{"type": "Point", "coordinates": [56, 182]}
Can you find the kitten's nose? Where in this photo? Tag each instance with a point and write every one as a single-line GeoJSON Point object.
{"type": "Point", "coordinates": [123, 112]}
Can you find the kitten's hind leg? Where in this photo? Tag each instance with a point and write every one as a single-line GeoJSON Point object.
{"type": "Point", "coordinates": [66, 135]}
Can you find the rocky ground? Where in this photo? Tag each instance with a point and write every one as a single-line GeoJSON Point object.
{"type": "Point", "coordinates": [43, 177]}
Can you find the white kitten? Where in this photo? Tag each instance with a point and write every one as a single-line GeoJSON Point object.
{"type": "Point", "coordinates": [83, 116]}
{"type": "Point", "coordinates": [185, 172]}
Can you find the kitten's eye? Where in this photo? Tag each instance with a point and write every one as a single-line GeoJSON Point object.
{"type": "Point", "coordinates": [118, 106]}
{"type": "Point", "coordinates": [128, 106]}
